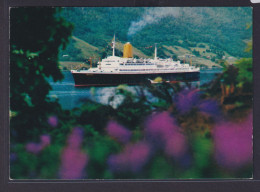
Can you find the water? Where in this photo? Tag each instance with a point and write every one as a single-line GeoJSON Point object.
{"type": "Point", "coordinates": [69, 96]}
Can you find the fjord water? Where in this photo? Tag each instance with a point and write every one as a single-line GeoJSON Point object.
{"type": "Point", "coordinates": [70, 96]}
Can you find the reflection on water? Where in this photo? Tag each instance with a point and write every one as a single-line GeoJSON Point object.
{"type": "Point", "coordinates": [69, 96]}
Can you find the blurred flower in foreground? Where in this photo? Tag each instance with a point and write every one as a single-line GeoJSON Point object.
{"type": "Point", "coordinates": [33, 148]}
{"type": "Point", "coordinates": [73, 160]}
{"type": "Point", "coordinates": [190, 98]}
{"type": "Point", "coordinates": [38, 147]}
{"type": "Point", "coordinates": [118, 132]}
{"type": "Point", "coordinates": [233, 143]}
{"type": "Point", "coordinates": [162, 130]}
{"type": "Point", "coordinates": [186, 99]}
{"type": "Point", "coordinates": [13, 157]}
{"type": "Point", "coordinates": [75, 138]}
{"type": "Point", "coordinates": [209, 107]}
{"type": "Point", "coordinates": [45, 140]}
{"type": "Point", "coordinates": [176, 145]}
{"type": "Point", "coordinates": [159, 126]}
{"type": "Point", "coordinates": [131, 159]}
{"type": "Point", "coordinates": [53, 121]}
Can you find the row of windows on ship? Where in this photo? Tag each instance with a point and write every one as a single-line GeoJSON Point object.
{"type": "Point", "coordinates": [128, 61]}
{"type": "Point", "coordinates": [134, 64]}
{"type": "Point", "coordinates": [181, 69]}
{"type": "Point", "coordinates": [138, 64]}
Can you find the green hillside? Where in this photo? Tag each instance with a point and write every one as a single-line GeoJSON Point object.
{"type": "Point", "coordinates": [80, 50]}
{"type": "Point", "coordinates": [208, 33]}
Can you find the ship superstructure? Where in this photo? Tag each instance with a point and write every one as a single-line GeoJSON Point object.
{"type": "Point", "coordinates": [115, 70]}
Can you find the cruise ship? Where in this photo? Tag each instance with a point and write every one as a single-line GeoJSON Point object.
{"type": "Point", "coordinates": [115, 70]}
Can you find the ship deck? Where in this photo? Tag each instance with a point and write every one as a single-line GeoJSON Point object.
{"type": "Point", "coordinates": [134, 72]}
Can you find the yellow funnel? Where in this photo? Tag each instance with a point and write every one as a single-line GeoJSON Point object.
{"type": "Point", "coordinates": [128, 50]}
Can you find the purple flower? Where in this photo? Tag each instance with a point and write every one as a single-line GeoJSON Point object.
{"type": "Point", "coordinates": [131, 159]}
{"type": "Point", "coordinates": [176, 145]}
{"type": "Point", "coordinates": [209, 107]}
{"type": "Point", "coordinates": [45, 140]}
{"type": "Point", "coordinates": [34, 148]}
{"type": "Point", "coordinates": [73, 163]}
{"type": "Point", "coordinates": [233, 143]}
{"type": "Point", "coordinates": [13, 157]}
{"type": "Point", "coordinates": [73, 160]}
{"type": "Point", "coordinates": [118, 132]}
{"type": "Point", "coordinates": [75, 138]}
{"type": "Point", "coordinates": [159, 126]}
{"type": "Point", "coordinates": [186, 99]}
{"type": "Point", "coordinates": [161, 129]}
{"type": "Point", "coordinates": [53, 121]}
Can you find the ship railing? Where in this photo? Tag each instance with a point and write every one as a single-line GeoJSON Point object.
{"type": "Point", "coordinates": [156, 70]}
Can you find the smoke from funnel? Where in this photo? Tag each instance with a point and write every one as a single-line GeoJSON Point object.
{"type": "Point", "coordinates": [152, 15]}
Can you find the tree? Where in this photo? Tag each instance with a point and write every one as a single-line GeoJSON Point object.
{"type": "Point", "coordinates": [36, 35]}
{"type": "Point", "coordinates": [245, 66]}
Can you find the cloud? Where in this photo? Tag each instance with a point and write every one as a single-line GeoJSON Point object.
{"type": "Point", "coordinates": [150, 16]}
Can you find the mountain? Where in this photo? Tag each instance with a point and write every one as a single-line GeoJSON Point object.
{"type": "Point", "coordinates": [209, 33]}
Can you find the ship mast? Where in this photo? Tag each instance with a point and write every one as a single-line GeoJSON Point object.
{"type": "Point", "coordinates": [114, 44]}
{"type": "Point", "coordinates": [155, 52]}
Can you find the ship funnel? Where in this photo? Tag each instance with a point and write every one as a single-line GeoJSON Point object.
{"type": "Point", "coordinates": [128, 50]}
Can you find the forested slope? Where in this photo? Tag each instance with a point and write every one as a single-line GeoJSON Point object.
{"type": "Point", "coordinates": [209, 33]}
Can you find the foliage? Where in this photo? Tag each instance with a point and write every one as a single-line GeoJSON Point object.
{"type": "Point", "coordinates": [157, 131]}
{"type": "Point", "coordinates": [162, 131]}
{"type": "Point", "coordinates": [34, 50]}
{"type": "Point", "coordinates": [245, 73]}
{"type": "Point", "coordinates": [245, 66]}
{"type": "Point", "coordinates": [35, 38]}
{"type": "Point", "coordinates": [197, 53]}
